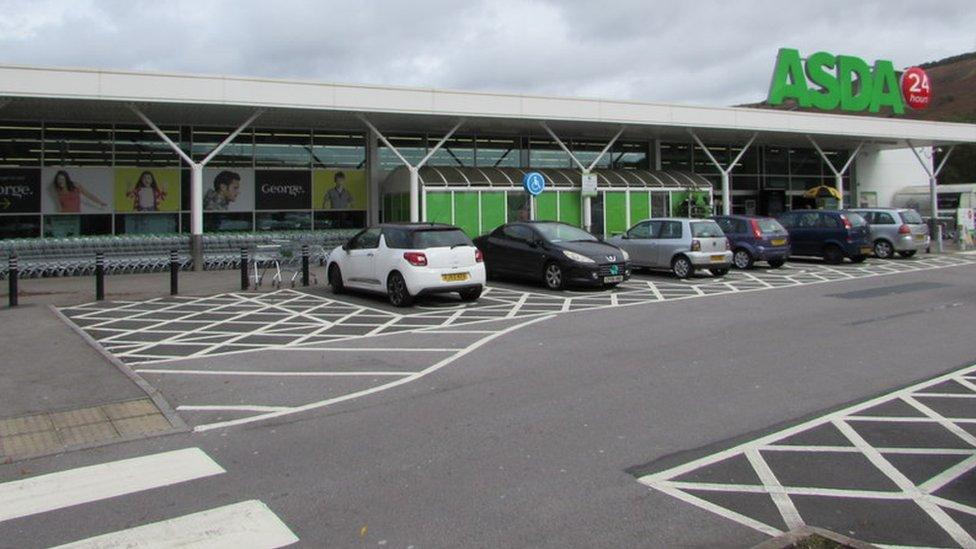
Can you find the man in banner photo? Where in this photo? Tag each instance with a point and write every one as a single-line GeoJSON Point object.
{"type": "Point", "coordinates": [338, 197]}
{"type": "Point", "coordinates": [226, 188]}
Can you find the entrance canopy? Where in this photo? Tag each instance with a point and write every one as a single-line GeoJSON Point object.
{"type": "Point", "coordinates": [508, 178]}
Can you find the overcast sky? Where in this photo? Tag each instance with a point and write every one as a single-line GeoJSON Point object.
{"type": "Point", "coordinates": [706, 53]}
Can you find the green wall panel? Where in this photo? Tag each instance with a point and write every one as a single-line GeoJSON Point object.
{"type": "Point", "coordinates": [615, 212]}
{"type": "Point", "coordinates": [640, 206]}
{"type": "Point", "coordinates": [679, 207]}
{"type": "Point", "coordinates": [492, 211]}
{"type": "Point", "coordinates": [545, 207]}
{"type": "Point", "coordinates": [439, 207]}
{"type": "Point", "coordinates": [570, 208]}
{"type": "Point", "coordinates": [466, 212]}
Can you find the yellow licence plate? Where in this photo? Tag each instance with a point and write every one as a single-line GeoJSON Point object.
{"type": "Point", "coordinates": [454, 277]}
{"type": "Point", "coordinates": [717, 258]}
{"type": "Point", "coordinates": [779, 241]}
{"type": "Point", "coordinates": [920, 238]}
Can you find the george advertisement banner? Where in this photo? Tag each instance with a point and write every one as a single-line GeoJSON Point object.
{"type": "Point", "coordinates": [20, 191]}
{"type": "Point", "coordinates": [282, 190]}
{"type": "Point", "coordinates": [336, 189]}
{"type": "Point", "coordinates": [76, 190]}
{"type": "Point", "coordinates": [228, 190]}
{"type": "Point", "coordinates": [147, 190]}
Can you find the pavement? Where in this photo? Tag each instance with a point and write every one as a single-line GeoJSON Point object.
{"type": "Point", "coordinates": [516, 431]}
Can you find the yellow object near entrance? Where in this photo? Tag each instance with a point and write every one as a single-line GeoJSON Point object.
{"type": "Point", "coordinates": [822, 191]}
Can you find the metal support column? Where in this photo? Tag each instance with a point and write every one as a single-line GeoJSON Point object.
{"type": "Point", "coordinates": [936, 229]}
{"type": "Point", "coordinates": [587, 200]}
{"type": "Point", "coordinates": [415, 212]}
{"type": "Point", "coordinates": [196, 179]}
{"type": "Point", "coordinates": [838, 174]}
{"type": "Point", "coordinates": [724, 171]}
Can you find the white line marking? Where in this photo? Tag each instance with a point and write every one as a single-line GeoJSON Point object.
{"type": "Point", "coordinates": [944, 395]}
{"type": "Point", "coordinates": [955, 429]}
{"type": "Point", "coordinates": [947, 476]}
{"type": "Point", "coordinates": [269, 374]}
{"type": "Point", "coordinates": [718, 510]}
{"type": "Point", "coordinates": [379, 349]}
{"type": "Point", "coordinates": [783, 502]}
{"type": "Point", "coordinates": [232, 408]}
{"type": "Point", "coordinates": [44, 493]}
{"type": "Point", "coordinates": [791, 490]}
{"type": "Point", "coordinates": [934, 511]}
{"type": "Point", "coordinates": [853, 450]}
{"type": "Point", "coordinates": [328, 402]}
{"type": "Point", "coordinates": [245, 524]}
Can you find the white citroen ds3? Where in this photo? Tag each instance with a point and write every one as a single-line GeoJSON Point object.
{"type": "Point", "coordinates": [407, 260]}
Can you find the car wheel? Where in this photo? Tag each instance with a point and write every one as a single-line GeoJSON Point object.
{"type": "Point", "coordinates": [335, 279]}
{"type": "Point", "coordinates": [742, 258]}
{"type": "Point", "coordinates": [720, 271]}
{"type": "Point", "coordinates": [907, 253]}
{"type": "Point", "coordinates": [397, 292]}
{"type": "Point", "coordinates": [470, 294]}
{"type": "Point", "coordinates": [883, 249]}
{"type": "Point", "coordinates": [776, 263]}
{"type": "Point", "coordinates": [858, 258]}
{"type": "Point", "coordinates": [681, 267]}
{"type": "Point", "coordinates": [833, 255]}
{"type": "Point", "coordinates": [554, 276]}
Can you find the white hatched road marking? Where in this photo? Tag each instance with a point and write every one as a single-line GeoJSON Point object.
{"type": "Point", "coordinates": [922, 494]}
{"type": "Point", "coordinates": [245, 524]}
{"type": "Point", "coordinates": [53, 491]}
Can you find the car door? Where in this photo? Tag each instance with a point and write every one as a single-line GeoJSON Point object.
{"type": "Point", "coordinates": [668, 243]}
{"type": "Point", "coordinates": [883, 225]}
{"type": "Point", "coordinates": [362, 259]}
{"type": "Point", "coordinates": [805, 233]}
{"type": "Point", "coordinates": [520, 254]}
{"type": "Point", "coordinates": [640, 243]}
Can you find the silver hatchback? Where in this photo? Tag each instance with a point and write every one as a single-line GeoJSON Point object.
{"type": "Point", "coordinates": [681, 245]}
{"type": "Point", "coordinates": [895, 230]}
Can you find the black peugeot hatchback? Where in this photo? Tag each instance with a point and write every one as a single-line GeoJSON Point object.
{"type": "Point", "coordinates": [557, 253]}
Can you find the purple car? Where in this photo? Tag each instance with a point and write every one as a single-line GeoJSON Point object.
{"type": "Point", "coordinates": [754, 239]}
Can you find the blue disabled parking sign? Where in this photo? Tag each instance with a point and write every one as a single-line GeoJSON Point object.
{"type": "Point", "coordinates": [534, 183]}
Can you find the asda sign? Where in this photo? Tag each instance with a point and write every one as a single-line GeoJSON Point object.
{"type": "Point", "coordinates": [826, 81]}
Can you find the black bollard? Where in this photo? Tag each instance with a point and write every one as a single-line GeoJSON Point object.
{"type": "Point", "coordinates": [174, 272]}
{"type": "Point", "coordinates": [244, 284]}
{"type": "Point", "coordinates": [12, 272]}
{"type": "Point", "coordinates": [99, 276]}
{"type": "Point", "coordinates": [304, 264]}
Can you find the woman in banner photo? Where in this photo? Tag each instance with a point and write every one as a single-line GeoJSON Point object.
{"type": "Point", "coordinates": [146, 194]}
{"type": "Point", "coordinates": [226, 188]}
{"type": "Point", "coordinates": [69, 194]}
{"type": "Point", "coordinates": [338, 197]}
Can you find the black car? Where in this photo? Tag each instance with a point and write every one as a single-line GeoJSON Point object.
{"type": "Point", "coordinates": [556, 253]}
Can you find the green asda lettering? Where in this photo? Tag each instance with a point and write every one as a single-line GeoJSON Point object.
{"type": "Point", "coordinates": [841, 81]}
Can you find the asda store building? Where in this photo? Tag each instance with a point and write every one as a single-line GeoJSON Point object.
{"type": "Point", "coordinates": [86, 152]}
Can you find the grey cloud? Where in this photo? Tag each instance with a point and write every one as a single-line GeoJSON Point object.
{"type": "Point", "coordinates": [706, 52]}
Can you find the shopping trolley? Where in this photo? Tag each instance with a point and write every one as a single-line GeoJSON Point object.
{"type": "Point", "coordinates": [265, 257]}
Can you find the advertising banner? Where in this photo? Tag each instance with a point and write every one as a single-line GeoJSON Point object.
{"type": "Point", "coordinates": [20, 191]}
{"type": "Point", "coordinates": [228, 190]}
{"type": "Point", "coordinates": [282, 190]}
{"type": "Point", "coordinates": [335, 189]}
{"type": "Point", "coordinates": [77, 190]}
{"type": "Point", "coordinates": [147, 190]}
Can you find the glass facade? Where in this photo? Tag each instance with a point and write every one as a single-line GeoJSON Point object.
{"type": "Point", "coordinates": [105, 160]}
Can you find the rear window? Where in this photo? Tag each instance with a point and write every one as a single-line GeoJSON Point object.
{"type": "Point", "coordinates": [911, 217]}
{"type": "Point", "coordinates": [706, 229]}
{"type": "Point", "coordinates": [440, 238]}
{"type": "Point", "coordinates": [856, 219]}
{"type": "Point", "coordinates": [770, 226]}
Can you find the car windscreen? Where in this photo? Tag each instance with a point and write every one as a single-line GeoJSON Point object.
{"type": "Point", "coordinates": [856, 219]}
{"type": "Point", "coordinates": [770, 226]}
{"type": "Point", "coordinates": [440, 238]}
{"type": "Point", "coordinates": [911, 217]}
{"type": "Point", "coordinates": [557, 232]}
{"type": "Point", "coordinates": [706, 229]}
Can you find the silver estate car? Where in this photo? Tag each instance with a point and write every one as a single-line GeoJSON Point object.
{"type": "Point", "coordinates": [681, 245]}
{"type": "Point", "coordinates": [894, 230]}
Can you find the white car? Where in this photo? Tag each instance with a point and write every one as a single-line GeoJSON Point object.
{"type": "Point", "coordinates": [406, 260]}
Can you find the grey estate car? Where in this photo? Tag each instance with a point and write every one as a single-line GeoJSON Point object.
{"type": "Point", "coordinates": [893, 230]}
{"type": "Point", "coordinates": [681, 245]}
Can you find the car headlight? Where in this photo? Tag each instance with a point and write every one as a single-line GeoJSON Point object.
{"type": "Point", "coordinates": [577, 257]}
{"type": "Point", "coordinates": [626, 255]}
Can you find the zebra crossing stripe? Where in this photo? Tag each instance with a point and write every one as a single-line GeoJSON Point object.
{"type": "Point", "coordinates": [53, 491]}
{"type": "Point", "coordinates": [245, 524]}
